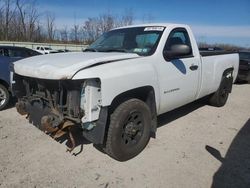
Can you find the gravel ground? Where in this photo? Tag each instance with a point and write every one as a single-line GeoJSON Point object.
{"type": "Point", "coordinates": [196, 146]}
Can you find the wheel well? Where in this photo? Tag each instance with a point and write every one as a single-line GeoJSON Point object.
{"type": "Point", "coordinates": [142, 93]}
{"type": "Point", "coordinates": [229, 70]}
{"type": "Point", "coordinates": [229, 79]}
{"type": "Point", "coordinates": [145, 94]}
{"type": "Point", "coordinates": [4, 83]}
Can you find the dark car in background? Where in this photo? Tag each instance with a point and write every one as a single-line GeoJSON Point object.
{"type": "Point", "coordinates": [8, 55]}
{"type": "Point", "coordinates": [5, 80]}
{"type": "Point", "coordinates": [17, 52]}
{"type": "Point", "coordinates": [244, 67]}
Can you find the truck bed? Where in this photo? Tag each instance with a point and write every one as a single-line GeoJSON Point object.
{"type": "Point", "coordinates": [213, 65]}
{"type": "Point", "coordinates": [212, 53]}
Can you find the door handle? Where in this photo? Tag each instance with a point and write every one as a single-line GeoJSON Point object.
{"type": "Point", "coordinates": [193, 67]}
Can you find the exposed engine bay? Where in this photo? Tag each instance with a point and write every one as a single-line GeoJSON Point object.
{"type": "Point", "coordinates": [55, 106]}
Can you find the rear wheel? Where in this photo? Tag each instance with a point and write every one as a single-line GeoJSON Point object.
{"type": "Point", "coordinates": [129, 130]}
{"type": "Point", "coordinates": [219, 98]}
{"type": "Point", "coordinates": [4, 96]}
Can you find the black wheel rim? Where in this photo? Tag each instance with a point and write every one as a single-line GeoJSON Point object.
{"type": "Point", "coordinates": [133, 129]}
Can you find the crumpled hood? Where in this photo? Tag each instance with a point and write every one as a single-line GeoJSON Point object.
{"type": "Point", "coordinates": [65, 65]}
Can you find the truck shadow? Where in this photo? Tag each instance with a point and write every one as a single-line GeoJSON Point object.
{"type": "Point", "coordinates": [235, 167]}
{"type": "Point", "coordinates": [241, 82]}
{"type": "Point", "coordinates": [180, 112]}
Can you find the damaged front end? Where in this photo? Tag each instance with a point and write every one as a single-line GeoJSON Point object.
{"type": "Point", "coordinates": [57, 106]}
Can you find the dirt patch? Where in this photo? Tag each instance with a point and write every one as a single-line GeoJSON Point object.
{"type": "Point", "coordinates": [195, 146]}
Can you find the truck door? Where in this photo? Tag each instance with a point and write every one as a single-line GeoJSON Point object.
{"type": "Point", "coordinates": [178, 77]}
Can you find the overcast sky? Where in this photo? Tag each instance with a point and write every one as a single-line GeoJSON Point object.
{"type": "Point", "coordinates": [222, 21]}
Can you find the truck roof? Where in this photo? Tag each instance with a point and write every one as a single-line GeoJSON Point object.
{"type": "Point", "coordinates": [154, 24]}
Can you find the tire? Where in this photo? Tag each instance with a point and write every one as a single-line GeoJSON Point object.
{"type": "Point", "coordinates": [219, 98]}
{"type": "Point", "coordinates": [4, 97]}
{"type": "Point", "coordinates": [129, 130]}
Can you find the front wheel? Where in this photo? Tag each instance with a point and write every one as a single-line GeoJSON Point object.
{"type": "Point", "coordinates": [129, 130]}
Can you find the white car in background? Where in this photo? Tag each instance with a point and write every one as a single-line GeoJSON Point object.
{"type": "Point", "coordinates": [45, 50]}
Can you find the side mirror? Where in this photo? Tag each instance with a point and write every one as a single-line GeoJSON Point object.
{"type": "Point", "coordinates": [177, 51]}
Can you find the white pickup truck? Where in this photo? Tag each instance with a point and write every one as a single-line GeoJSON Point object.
{"type": "Point", "coordinates": [115, 90]}
{"type": "Point", "coordinates": [45, 50]}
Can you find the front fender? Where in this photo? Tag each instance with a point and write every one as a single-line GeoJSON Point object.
{"type": "Point", "coordinates": [117, 78]}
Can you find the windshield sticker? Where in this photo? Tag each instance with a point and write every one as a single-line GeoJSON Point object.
{"type": "Point", "coordinates": [138, 50]}
{"type": "Point", "coordinates": [154, 28]}
{"type": "Point", "coordinates": [141, 50]}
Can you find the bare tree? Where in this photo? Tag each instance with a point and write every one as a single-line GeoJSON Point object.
{"type": "Point", "coordinates": [1, 20]}
{"type": "Point", "coordinates": [22, 16]}
{"type": "Point", "coordinates": [106, 22]}
{"type": "Point", "coordinates": [148, 18]}
{"type": "Point", "coordinates": [95, 26]}
{"type": "Point", "coordinates": [39, 35]}
{"type": "Point", "coordinates": [64, 34]}
{"type": "Point", "coordinates": [8, 15]}
{"type": "Point", "coordinates": [91, 29]}
{"type": "Point", "coordinates": [19, 21]}
{"type": "Point", "coordinates": [32, 23]}
{"type": "Point", "coordinates": [75, 33]}
{"type": "Point", "coordinates": [50, 23]}
{"type": "Point", "coordinates": [127, 17]}
{"type": "Point", "coordinates": [26, 18]}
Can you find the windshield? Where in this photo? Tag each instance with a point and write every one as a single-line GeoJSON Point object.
{"type": "Point", "coordinates": [140, 40]}
{"type": "Point", "coordinates": [244, 55]}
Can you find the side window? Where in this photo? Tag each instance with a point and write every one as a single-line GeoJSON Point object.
{"type": "Point", "coordinates": [1, 52]}
{"type": "Point", "coordinates": [14, 53]}
{"type": "Point", "coordinates": [178, 36]}
{"type": "Point", "coordinates": [29, 52]}
{"type": "Point", "coordinates": [4, 52]}
{"type": "Point", "coordinates": [24, 53]}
